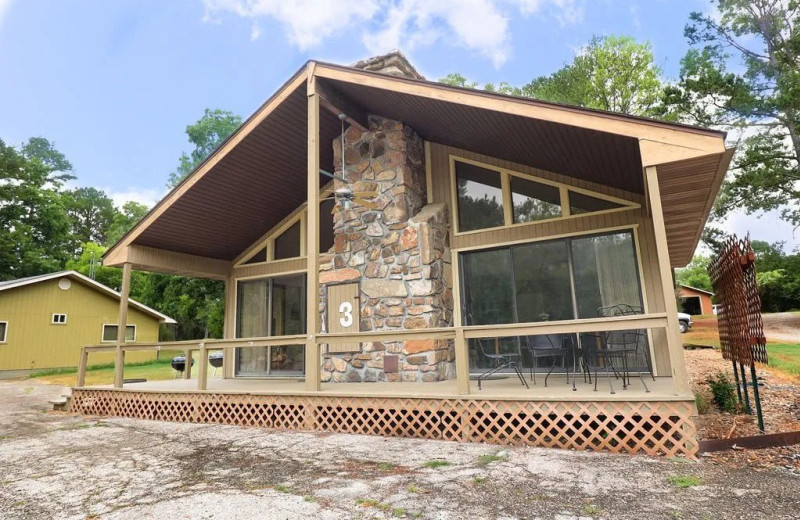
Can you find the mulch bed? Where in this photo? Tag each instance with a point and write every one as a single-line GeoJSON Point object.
{"type": "Point", "coordinates": [780, 400]}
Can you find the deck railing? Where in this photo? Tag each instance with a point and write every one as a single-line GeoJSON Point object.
{"type": "Point", "coordinates": [460, 334]}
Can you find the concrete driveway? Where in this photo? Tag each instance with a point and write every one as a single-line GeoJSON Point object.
{"type": "Point", "coordinates": [55, 465]}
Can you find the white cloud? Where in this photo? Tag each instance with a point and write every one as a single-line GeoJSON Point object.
{"type": "Point", "coordinates": [4, 8]}
{"type": "Point", "coordinates": [145, 196]}
{"type": "Point", "coordinates": [767, 227]}
{"type": "Point", "coordinates": [255, 32]}
{"type": "Point", "coordinates": [481, 26]}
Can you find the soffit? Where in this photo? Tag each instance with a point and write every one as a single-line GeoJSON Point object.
{"type": "Point", "coordinates": [252, 188]}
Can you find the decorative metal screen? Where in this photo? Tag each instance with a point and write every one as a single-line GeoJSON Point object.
{"type": "Point", "coordinates": [741, 329]}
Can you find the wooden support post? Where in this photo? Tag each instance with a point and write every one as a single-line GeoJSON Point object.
{"type": "Point", "coordinates": [187, 370]}
{"type": "Point", "coordinates": [84, 360]}
{"type": "Point", "coordinates": [313, 358]}
{"type": "Point", "coordinates": [202, 368]}
{"type": "Point", "coordinates": [229, 328]}
{"type": "Point", "coordinates": [674, 343]}
{"type": "Point", "coordinates": [462, 362]}
{"type": "Point", "coordinates": [122, 325]}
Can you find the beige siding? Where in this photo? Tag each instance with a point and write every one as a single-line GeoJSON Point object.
{"type": "Point", "coordinates": [34, 343]}
{"type": "Point", "coordinates": [633, 219]}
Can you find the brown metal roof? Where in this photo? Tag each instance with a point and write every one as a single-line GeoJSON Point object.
{"type": "Point", "coordinates": [258, 177]}
{"type": "Point", "coordinates": [249, 190]}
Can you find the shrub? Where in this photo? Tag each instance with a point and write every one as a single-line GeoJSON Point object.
{"type": "Point", "coordinates": [701, 401]}
{"type": "Point", "coordinates": [724, 392]}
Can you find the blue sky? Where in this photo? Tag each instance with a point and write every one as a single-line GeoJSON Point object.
{"type": "Point", "coordinates": [114, 83]}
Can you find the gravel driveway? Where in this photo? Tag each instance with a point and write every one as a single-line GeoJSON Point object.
{"type": "Point", "coordinates": [55, 465]}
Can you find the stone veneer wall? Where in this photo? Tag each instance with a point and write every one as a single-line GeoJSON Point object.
{"type": "Point", "coordinates": [400, 255]}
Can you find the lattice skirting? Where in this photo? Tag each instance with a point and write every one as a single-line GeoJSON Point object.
{"type": "Point", "coordinates": [655, 427]}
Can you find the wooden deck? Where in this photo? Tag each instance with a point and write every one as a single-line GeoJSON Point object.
{"type": "Point", "coordinates": [504, 388]}
{"type": "Point", "coordinates": [659, 422]}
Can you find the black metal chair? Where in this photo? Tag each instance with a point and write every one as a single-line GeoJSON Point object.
{"type": "Point", "coordinates": [544, 346]}
{"type": "Point", "coordinates": [500, 358]}
{"type": "Point", "coordinates": [616, 348]}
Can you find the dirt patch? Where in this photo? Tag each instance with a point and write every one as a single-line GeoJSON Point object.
{"type": "Point", "coordinates": [61, 466]}
{"type": "Point", "coordinates": [782, 326]}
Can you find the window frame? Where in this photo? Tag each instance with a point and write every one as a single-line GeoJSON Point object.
{"type": "Point", "coordinates": [267, 241]}
{"type": "Point", "coordinates": [508, 208]}
{"type": "Point", "coordinates": [4, 338]}
{"type": "Point", "coordinates": [53, 320]}
{"type": "Point", "coordinates": [103, 333]}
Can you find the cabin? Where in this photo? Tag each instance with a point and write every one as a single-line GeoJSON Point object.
{"type": "Point", "coordinates": [695, 301]}
{"type": "Point", "coordinates": [46, 319]}
{"type": "Point", "coordinates": [408, 258]}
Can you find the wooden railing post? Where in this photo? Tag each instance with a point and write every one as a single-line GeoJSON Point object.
{"type": "Point", "coordinates": [84, 359]}
{"type": "Point", "coordinates": [187, 371]}
{"type": "Point", "coordinates": [462, 362]}
{"type": "Point", "coordinates": [313, 358]}
{"type": "Point", "coordinates": [202, 368]}
{"type": "Point", "coordinates": [674, 343]}
{"type": "Point", "coordinates": [122, 325]}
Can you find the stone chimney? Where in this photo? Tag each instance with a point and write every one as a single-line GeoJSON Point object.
{"type": "Point", "coordinates": [399, 254]}
{"type": "Point", "coordinates": [393, 64]}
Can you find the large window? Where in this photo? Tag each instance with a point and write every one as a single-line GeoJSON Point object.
{"type": "Point", "coordinates": [488, 197]}
{"type": "Point", "coordinates": [270, 307]}
{"type": "Point", "coordinates": [571, 278]}
{"type": "Point", "coordinates": [110, 333]}
{"type": "Point", "coordinates": [480, 197]}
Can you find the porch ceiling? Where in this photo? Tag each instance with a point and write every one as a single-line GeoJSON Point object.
{"type": "Point", "coordinates": [258, 176]}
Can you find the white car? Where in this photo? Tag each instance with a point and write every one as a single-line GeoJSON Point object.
{"type": "Point", "coordinates": [684, 322]}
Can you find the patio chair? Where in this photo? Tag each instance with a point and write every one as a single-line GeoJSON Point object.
{"type": "Point", "coordinates": [615, 348]}
{"type": "Point", "coordinates": [500, 359]}
{"type": "Point", "coordinates": [547, 345]}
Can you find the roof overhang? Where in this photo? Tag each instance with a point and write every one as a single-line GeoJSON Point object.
{"type": "Point", "coordinates": [258, 176]}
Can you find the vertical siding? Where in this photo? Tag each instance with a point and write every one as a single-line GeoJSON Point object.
{"type": "Point", "coordinates": [637, 218]}
{"type": "Point", "coordinates": [34, 343]}
{"type": "Point", "coordinates": [338, 294]}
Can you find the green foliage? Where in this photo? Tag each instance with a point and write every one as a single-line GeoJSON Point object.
{"type": "Point", "coordinates": [436, 463]}
{"type": "Point", "coordinates": [207, 134]}
{"type": "Point", "coordinates": [785, 357]}
{"type": "Point", "coordinates": [743, 74]}
{"type": "Point", "coordinates": [723, 392]}
{"type": "Point", "coordinates": [124, 219]}
{"type": "Point", "coordinates": [485, 460]}
{"type": "Point", "coordinates": [91, 213]}
{"type": "Point", "coordinates": [614, 73]}
{"type": "Point", "coordinates": [684, 481]}
{"type": "Point", "coordinates": [695, 274]}
{"type": "Point", "coordinates": [34, 227]}
{"type": "Point", "coordinates": [700, 400]}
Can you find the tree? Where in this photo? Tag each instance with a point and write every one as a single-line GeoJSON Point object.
{"type": "Point", "coordinates": [207, 134]}
{"type": "Point", "coordinates": [695, 274]}
{"type": "Point", "coordinates": [614, 73]}
{"type": "Point", "coordinates": [124, 219]}
{"type": "Point", "coordinates": [743, 75]}
{"type": "Point", "coordinates": [91, 213]}
{"type": "Point", "coordinates": [34, 227]}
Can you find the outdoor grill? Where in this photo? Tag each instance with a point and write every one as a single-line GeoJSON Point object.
{"type": "Point", "coordinates": [215, 360]}
{"type": "Point", "coordinates": [179, 363]}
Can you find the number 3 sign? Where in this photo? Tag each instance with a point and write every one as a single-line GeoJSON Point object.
{"type": "Point", "coordinates": [346, 314]}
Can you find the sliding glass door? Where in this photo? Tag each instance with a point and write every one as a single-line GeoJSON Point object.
{"type": "Point", "coordinates": [270, 307]}
{"type": "Point", "coordinates": [564, 279]}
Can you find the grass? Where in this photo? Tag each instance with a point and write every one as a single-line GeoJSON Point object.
{"type": "Point", "coordinates": [783, 357]}
{"type": "Point", "coordinates": [479, 480]}
{"type": "Point", "coordinates": [591, 510]}
{"type": "Point", "coordinates": [684, 481]}
{"type": "Point", "coordinates": [385, 466]}
{"type": "Point", "coordinates": [437, 463]}
{"type": "Point", "coordinates": [484, 460]}
{"type": "Point", "coordinates": [154, 370]}
{"type": "Point", "coordinates": [282, 489]}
